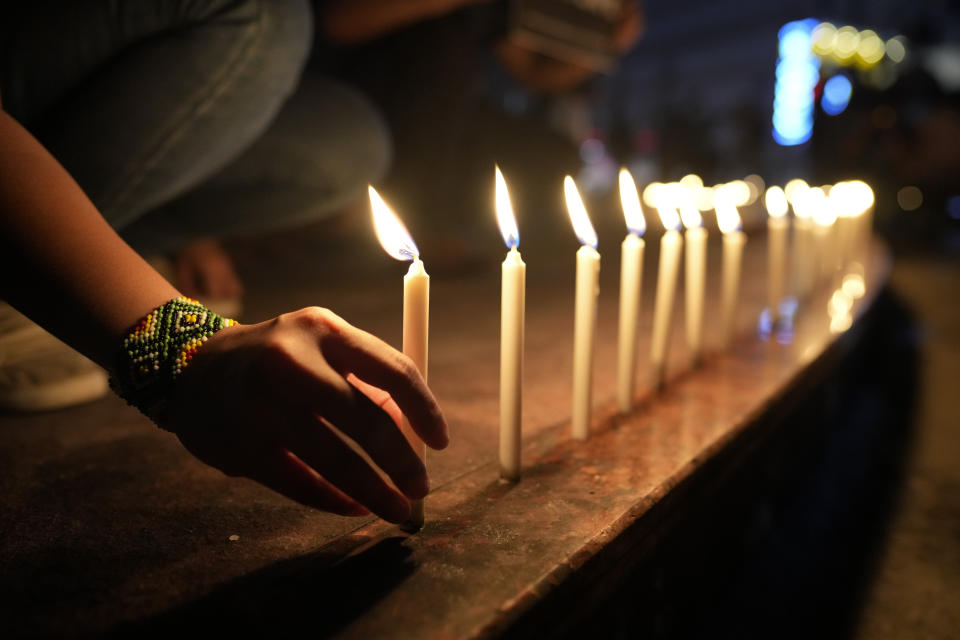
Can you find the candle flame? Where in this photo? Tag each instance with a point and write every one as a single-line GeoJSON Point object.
{"type": "Point", "coordinates": [578, 214]}
{"type": "Point", "coordinates": [651, 194]}
{"type": "Point", "coordinates": [689, 213]}
{"type": "Point", "coordinates": [737, 192]}
{"type": "Point", "coordinates": [728, 218]}
{"type": "Point", "coordinates": [393, 236]}
{"type": "Point", "coordinates": [505, 218]}
{"type": "Point", "coordinates": [776, 202]}
{"type": "Point", "coordinates": [843, 199]}
{"type": "Point", "coordinates": [863, 195]}
{"type": "Point", "coordinates": [802, 200]}
{"type": "Point", "coordinates": [819, 205]}
{"type": "Point", "coordinates": [793, 187]}
{"type": "Point", "coordinates": [669, 217]}
{"type": "Point", "coordinates": [630, 201]}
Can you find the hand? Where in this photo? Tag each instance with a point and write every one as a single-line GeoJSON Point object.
{"type": "Point", "coordinates": [267, 401]}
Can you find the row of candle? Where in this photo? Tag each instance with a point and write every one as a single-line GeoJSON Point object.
{"type": "Point", "coordinates": [834, 245]}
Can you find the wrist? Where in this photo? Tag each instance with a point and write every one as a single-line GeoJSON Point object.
{"type": "Point", "coordinates": [158, 348]}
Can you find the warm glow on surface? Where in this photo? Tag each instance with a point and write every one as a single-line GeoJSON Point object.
{"type": "Point", "coordinates": [578, 214]}
{"type": "Point", "coordinates": [505, 218]}
{"type": "Point", "coordinates": [630, 201]}
{"type": "Point", "coordinates": [393, 236]}
{"type": "Point", "coordinates": [776, 202]}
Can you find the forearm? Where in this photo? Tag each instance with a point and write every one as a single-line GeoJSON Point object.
{"type": "Point", "coordinates": [61, 263]}
{"type": "Point", "coordinates": [355, 21]}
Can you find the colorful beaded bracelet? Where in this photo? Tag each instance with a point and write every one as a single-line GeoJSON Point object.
{"type": "Point", "coordinates": [157, 350]}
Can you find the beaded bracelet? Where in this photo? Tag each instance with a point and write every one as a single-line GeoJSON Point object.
{"type": "Point", "coordinates": [157, 350]}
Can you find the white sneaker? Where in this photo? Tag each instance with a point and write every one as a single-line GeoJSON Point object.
{"type": "Point", "coordinates": [38, 372]}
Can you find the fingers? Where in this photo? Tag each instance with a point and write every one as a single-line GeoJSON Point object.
{"type": "Point", "coordinates": [322, 449]}
{"type": "Point", "coordinates": [284, 473]}
{"type": "Point", "coordinates": [357, 416]}
{"type": "Point", "coordinates": [380, 397]}
{"type": "Point", "coordinates": [354, 351]}
{"type": "Point", "coordinates": [321, 391]}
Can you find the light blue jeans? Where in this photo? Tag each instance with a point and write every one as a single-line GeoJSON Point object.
{"type": "Point", "coordinates": [189, 118]}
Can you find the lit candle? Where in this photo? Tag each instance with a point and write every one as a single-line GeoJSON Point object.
{"type": "Point", "coordinates": [843, 200]}
{"type": "Point", "coordinates": [867, 207]}
{"type": "Point", "coordinates": [695, 271]}
{"type": "Point", "coordinates": [512, 311]}
{"type": "Point", "coordinates": [631, 277]}
{"type": "Point", "coordinates": [396, 241]}
{"type": "Point", "coordinates": [728, 220]}
{"type": "Point", "coordinates": [804, 255]}
{"type": "Point", "coordinates": [824, 218]}
{"type": "Point", "coordinates": [777, 228]}
{"type": "Point", "coordinates": [862, 203]}
{"type": "Point", "coordinates": [585, 318]}
{"type": "Point", "coordinates": [671, 246]}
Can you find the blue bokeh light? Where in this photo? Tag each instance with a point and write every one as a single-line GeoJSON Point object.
{"type": "Point", "coordinates": [836, 94]}
{"type": "Point", "coordinates": [798, 71]}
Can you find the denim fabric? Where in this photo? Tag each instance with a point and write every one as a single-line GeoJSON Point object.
{"type": "Point", "coordinates": [173, 115]}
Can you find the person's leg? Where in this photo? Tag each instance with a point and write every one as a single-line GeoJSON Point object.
{"type": "Point", "coordinates": [142, 101]}
{"type": "Point", "coordinates": [326, 144]}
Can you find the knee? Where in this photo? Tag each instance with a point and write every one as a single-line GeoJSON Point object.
{"type": "Point", "coordinates": [274, 36]}
{"type": "Point", "coordinates": [348, 141]}
{"type": "Point", "coordinates": [281, 42]}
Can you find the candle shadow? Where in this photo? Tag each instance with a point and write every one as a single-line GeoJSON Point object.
{"type": "Point", "coordinates": [321, 591]}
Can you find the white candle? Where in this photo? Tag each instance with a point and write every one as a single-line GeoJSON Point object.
{"type": "Point", "coordinates": [695, 274]}
{"type": "Point", "coordinates": [862, 206]}
{"type": "Point", "coordinates": [631, 279]}
{"type": "Point", "coordinates": [802, 255]}
{"type": "Point", "coordinates": [396, 241]}
{"type": "Point", "coordinates": [671, 246]}
{"type": "Point", "coordinates": [512, 313]}
{"type": "Point", "coordinates": [824, 218]}
{"type": "Point", "coordinates": [805, 261]}
{"type": "Point", "coordinates": [844, 199]}
{"type": "Point", "coordinates": [585, 310]}
{"type": "Point", "coordinates": [867, 204]}
{"type": "Point", "coordinates": [777, 229]}
{"type": "Point", "coordinates": [728, 219]}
